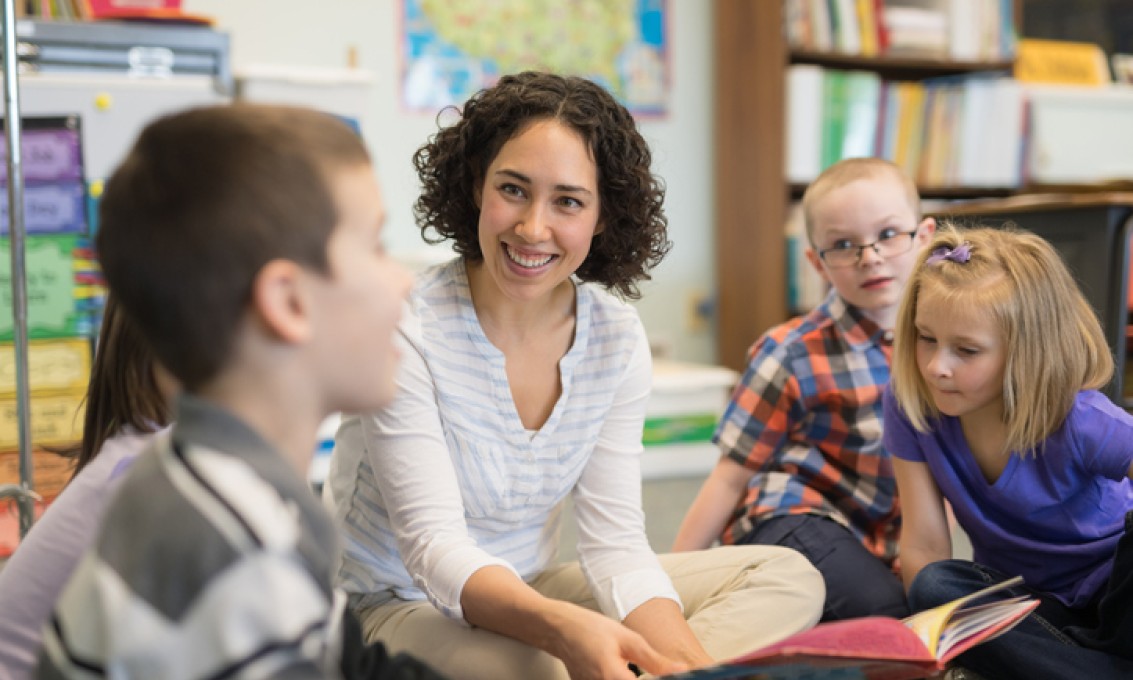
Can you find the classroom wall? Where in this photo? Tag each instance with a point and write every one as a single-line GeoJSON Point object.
{"type": "Point", "coordinates": [323, 34]}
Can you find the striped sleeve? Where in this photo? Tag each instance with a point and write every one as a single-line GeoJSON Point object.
{"type": "Point", "coordinates": [243, 603]}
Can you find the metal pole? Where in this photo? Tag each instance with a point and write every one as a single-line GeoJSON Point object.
{"type": "Point", "coordinates": [24, 494]}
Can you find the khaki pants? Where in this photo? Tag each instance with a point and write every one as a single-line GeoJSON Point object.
{"type": "Point", "coordinates": [736, 599]}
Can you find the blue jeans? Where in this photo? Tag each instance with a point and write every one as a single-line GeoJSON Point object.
{"type": "Point", "coordinates": [1039, 647]}
{"type": "Point", "coordinates": [857, 583]}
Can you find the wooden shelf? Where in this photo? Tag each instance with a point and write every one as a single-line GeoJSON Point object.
{"type": "Point", "coordinates": [796, 191]}
{"type": "Point", "coordinates": [897, 67]}
{"type": "Point", "coordinates": [750, 58]}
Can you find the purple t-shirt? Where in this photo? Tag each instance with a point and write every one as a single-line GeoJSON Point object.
{"type": "Point", "coordinates": [45, 559]}
{"type": "Point", "coordinates": [1054, 518]}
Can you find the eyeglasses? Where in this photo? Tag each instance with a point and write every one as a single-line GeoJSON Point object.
{"type": "Point", "coordinates": [889, 243]}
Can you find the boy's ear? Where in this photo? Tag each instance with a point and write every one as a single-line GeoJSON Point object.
{"type": "Point", "coordinates": [925, 230]}
{"type": "Point", "coordinates": [816, 262]}
{"type": "Point", "coordinates": [281, 301]}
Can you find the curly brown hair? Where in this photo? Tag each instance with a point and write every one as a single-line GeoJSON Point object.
{"type": "Point", "coordinates": [453, 163]}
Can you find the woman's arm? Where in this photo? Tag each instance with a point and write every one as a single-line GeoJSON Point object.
{"type": "Point", "coordinates": [417, 481]}
{"type": "Point", "coordinates": [925, 537]}
{"type": "Point", "coordinates": [589, 644]}
{"type": "Point", "coordinates": [624, 573]}
{"type": "Point", "coordinates": [661, 622]}
{"type": "Point", "coordinates": [713, 506]}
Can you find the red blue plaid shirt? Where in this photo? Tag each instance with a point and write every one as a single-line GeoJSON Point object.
{"type": "Point", "coordinates": [806, 417]}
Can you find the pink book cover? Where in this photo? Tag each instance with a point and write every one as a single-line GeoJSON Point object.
{"type": "Point", "coordinates": [101, 8]}
{"type": "Point", "coordinates": [879, 647]}
{"type": "Point", "coordinates": [168, 11]}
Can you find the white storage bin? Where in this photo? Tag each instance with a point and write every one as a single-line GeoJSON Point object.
{"type": "Point", "coordinates": [686, 403]}
{"type": "Point", "coordinates": [1080, 135]}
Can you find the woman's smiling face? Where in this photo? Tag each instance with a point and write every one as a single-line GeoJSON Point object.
{"type": "Point", "coordinates": [539, 210]}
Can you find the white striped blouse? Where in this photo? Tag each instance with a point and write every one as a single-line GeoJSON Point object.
{"type": "Point", "coordinates": [446, 480]}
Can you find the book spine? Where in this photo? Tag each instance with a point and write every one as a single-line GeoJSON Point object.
{"type": "Point", "coordinates": [882, 31]}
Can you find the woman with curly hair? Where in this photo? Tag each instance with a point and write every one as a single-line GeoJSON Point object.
{"type": "Point", "coordinates": [523, 381]}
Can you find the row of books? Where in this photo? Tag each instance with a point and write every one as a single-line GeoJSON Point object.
{"type": "Point", "coordinates": [88, 10]}
{"type": "Point", "coordinates": [962, 30]}
{"type": "Point", "coordinates": [64, 10]}
{"type": "Point", "coordinates": [957, 131]}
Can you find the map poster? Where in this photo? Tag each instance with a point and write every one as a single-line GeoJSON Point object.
{"type": "Point", "coordinates": [452, 48]}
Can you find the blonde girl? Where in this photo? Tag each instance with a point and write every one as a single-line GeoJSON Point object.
{"type": "Point", "coordinates": [993, 406]}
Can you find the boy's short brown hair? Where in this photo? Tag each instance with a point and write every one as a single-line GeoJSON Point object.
{"type": "Point", "coordinates": [202, 202]}
{"type": "Point", "coordinates": [850, 170]}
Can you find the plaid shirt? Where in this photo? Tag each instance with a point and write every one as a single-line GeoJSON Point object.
{"type": "Point", "coordinates": [806, 417]}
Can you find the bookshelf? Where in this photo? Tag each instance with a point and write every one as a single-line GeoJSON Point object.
{"type": "Point", "coordinates": [897, 67]}
{"type": "Point", "coordinates": [752, 194]}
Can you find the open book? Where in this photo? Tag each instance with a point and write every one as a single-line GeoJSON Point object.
{"type": "Point", "coordinates": [879, 647]}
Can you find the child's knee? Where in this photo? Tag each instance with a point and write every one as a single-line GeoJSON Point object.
{"type": "Point", "coordinates": [795, 564]}
{"type": "Point", "coordinates": [786, 571]}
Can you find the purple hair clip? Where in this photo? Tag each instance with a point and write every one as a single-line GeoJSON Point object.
{"type": "Point", "coordinates": [960, 254]}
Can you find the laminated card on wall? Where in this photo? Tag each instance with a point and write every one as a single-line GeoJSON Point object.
{"type": "Point", "coordinates": [56, 306]}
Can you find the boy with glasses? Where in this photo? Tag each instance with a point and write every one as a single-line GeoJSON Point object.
{"type": "Point", "coordinates": [802, 462]}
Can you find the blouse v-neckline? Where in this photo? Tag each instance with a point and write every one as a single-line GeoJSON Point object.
{"type": "Point", "coordinates": [517, 433]}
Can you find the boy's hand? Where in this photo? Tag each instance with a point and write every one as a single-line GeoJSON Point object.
{"type": "Point", "coordinates": [593, 646]}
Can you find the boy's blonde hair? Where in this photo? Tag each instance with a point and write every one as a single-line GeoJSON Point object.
{"type": "Point", "coordinates": [1053, 342]}
{"type": "Point", "coordinates": [850, 170]}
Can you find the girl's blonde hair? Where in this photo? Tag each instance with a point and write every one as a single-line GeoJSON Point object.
{"type": "Point", "coordinates": [1054, 343]}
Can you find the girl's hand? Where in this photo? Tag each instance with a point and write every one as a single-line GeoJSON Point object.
{"type": "Point", "coordinates": [593, 646]}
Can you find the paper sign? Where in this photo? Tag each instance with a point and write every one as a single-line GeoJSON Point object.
{"type": "Point", "coordinates": [1060, 62]}
{"type": "Point", "coordinates": [49, 209]}
{"type": "Point", "coordinates": [55, 420]}
{"type": "Point", "coordinates": [50, 471]}
{"type": "Point", "coordinates": [52, 308]}
{"type": "Point", "coordinates": [53, 366]}
{"type": "Point", "coordinates": [48, 155]}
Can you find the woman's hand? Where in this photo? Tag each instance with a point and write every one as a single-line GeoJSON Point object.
{"type": "Point", "coordinates": [592, 646]}
{"type": "Point", "coordinates": [663, 626]}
